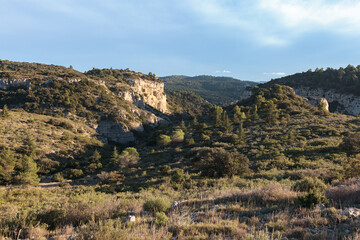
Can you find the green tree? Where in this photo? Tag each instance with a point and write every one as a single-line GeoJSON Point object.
{"type": "Point", "coordinates": [163, 140]}
{"type": "Point", "coordinates": [217, 162]}
{"type": "Point", "coordinates": [7, 164]}
{"type": "Point", "coordinates": [129, 156]}
{"type": "Point", "coordinates": [226, 123]}
{"type": "Point", "coordinates": [29, 147]}
{"type": "Point", "coordinates": [216, 115]}
{"type": "Point", "coordinates": [28, 174]}
{"type": "Point", "coordinates": [115, 157]}
{"type": "Point", "coordinates": [271, 113]}
{"type": "Point", "coordinates": [177, 136]}
{"type": "Point", "coordinates": [95, 157]}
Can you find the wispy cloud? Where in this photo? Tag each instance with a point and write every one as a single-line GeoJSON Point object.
{"type": "Point", "coordinates": [275, 73]}
{"type": "Point", "coordinates": [223, 71]}
{"type": "Point", "coordinates": [280, 22]}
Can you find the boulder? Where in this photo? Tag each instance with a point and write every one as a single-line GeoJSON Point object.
{"type": "Point", "coordinates": [351, 212]}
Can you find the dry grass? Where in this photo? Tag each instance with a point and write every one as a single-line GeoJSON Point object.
{"type": "Point", "coordinates": [348, 193]}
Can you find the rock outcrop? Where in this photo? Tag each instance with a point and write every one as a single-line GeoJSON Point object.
{"type": "Point", "coordinates": [316, 101]}
{"type": "Point", "coordinates": [338, 102]}
{"type": "Point", "coordinates": [22, 82]}
{"type": "Point", "coordinates": [146, 92]}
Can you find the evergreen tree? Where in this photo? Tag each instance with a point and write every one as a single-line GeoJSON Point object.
{"type": "Point", "coordinates": [7, 164]}
{"type": "Point", "coordinates": [226, 123]}
{"type": "Point", "coordinates": [271, 113]}
{"type": "Point", "coordinates": [29, 147]}
{"type": "Point", "coordinates": [115, 157]}
{"type": "Point", "coordinates": [95, 157]}
{"type": "Point", "coordinates": [28, 175]}
{"type": "Point", "coordinates": [217, 115]}
{"type": "Point", "coordinates": [129, 157]}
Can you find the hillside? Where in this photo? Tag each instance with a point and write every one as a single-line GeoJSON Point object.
{"type": "Point", "coordinates": [113, 102]}
{"type": "Point", "coordinates": [340, 87]}
{"type": "Point", "coordinates": [216, 90]}
{"type": "Point", "coordinates": [271, 166]}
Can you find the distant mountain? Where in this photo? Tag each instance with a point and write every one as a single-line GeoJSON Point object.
{"type": "Point", "coordinates": [216, 90]}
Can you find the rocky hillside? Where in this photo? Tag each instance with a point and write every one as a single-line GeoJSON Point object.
{"type": "Point", "coordinates": [216, 90]}
{"type": "Point", "coordinates": [113, 102]}
{"type": "Point", "coordinates": [340, 87]}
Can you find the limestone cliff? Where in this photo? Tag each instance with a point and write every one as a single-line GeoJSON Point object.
{"type": "Point", "coordinates": [114, 102]}
{"type": "Point", "coordinates": [338, 102]}
{"type": "Point", "coordinates": [146, 92]}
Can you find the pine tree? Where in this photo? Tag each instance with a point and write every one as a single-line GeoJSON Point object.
{"type": "Point", "coordinates": [7, 164]}
{"type": "Point", "coordinates": [217, 114]}
{"type": "Point", "coordinates": [95, 157]}
{"type": "Point", "coordinates": [115, 157]}
{"type": "Point", "coordinates": [28, 175]}
{"type": "Point", "coordinates": [226, 123]}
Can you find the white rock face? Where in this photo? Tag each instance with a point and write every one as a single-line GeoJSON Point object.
{"type": "Point", "coordinates": [115, 132]}
{"type": "Point", "coordinates": [315, 101]}
{"type": "Point", "coordinates": [6, 83]}
{"type": "Point", "coordinates": [346, 103]}
{"type": "Point", "coordinates": [146, 92]}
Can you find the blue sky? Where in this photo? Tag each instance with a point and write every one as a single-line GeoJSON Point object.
{"type": "Point", "coordinates": [246, 39]}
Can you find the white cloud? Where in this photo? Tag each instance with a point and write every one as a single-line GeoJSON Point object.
{"type": "Point", "coordinates": [275, 74]}
{"type": "Point", "coordinates": [279, 22]}
{"type": "Point", "coordinates": [223, 71]}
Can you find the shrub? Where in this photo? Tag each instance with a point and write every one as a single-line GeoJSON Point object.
{"type": "Point", "coordinates": [351, 143]}
{"type": "Point", "coordinates": [75, 174]}
{"type": "Point", "coordinates": [165, 169]}
{"type": "Point", "coordinates": [58, 177]}
{"type": "Point", "coordinates": [163, 140]}
{"type": "Point", "coordinates": [180, 177]}
{"type": "Point", "coordinates": [189, 141]}
{"type": "Point", "coordinates": [312, 198]}
{"type": "Point", "coordinates": [217, 162]}
{"type": "Point", "coordinates": [308, 183]}
{"type": "Point", "coordinates": [159, 204]}
{"type": "Point", "coordinates": [177, 136]}
{"type": "Point", "coordinates": [161, 219]}
{"type": "Point", "coordinates": [129, 156]}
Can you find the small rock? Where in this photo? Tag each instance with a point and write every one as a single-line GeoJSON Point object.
{"type": "Point", "coordinates": [130, 218]}
{"type": "Point", "coordinates": [351, 212]}
{"type": "Point", "coordinates": [321, 206]}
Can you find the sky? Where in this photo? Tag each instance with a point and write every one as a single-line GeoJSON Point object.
{"type": "Point", "coordinates": [255, 40]}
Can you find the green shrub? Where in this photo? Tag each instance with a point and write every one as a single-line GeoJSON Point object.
{"type": "Point", "coordinates": [312, 198]}
{"type": "Point", "coordinates": [180, 177]}
{"type": "Point", "coordinates": [177, 136]}
{"type": "Point", "coordinates": [351, 143]}
{"type": "Point", "coordinates": [58, 177]}
{"type": "Point", "coordinates": [75, 174]}
{"type": "Point", "coordinates": [163, 140]}
{"type": "Point", "coordinates": [189, 141]}
{"type": "Point", "coordinates": [161, 219]}
{"type": "Point", "coordinates": [308, 183]}
{"type": "Point", "coordinates": [165, 169]}
{"type": "Point", "coordinates": [217, 162]}
{"type": "Point", "coordinates": [159, 204]}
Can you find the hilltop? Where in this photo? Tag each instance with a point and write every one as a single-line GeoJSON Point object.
{"type": "Point", "coordinates": [216, 90]}
{"type": "Point", "coordinates": [340, 87]}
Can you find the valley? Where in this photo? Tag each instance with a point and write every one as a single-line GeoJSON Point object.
{"type": "Point", "coordinates": [117, 154]}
